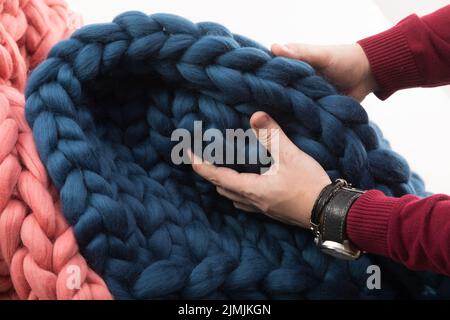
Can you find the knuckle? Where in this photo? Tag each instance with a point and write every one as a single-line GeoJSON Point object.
{"type": "Point", "coordinates": [214, 180]}
{"type": "Point", "coordinates": [252, 190]}
{"type": "Point", "coordinates": [264, 207]}
{"type": "Point", "coordinates": [249, 193]}
{"type": "Point", "coordinates": [220, 191]}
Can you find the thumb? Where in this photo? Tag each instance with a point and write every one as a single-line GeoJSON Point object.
{"type": "Point", "coordinates": [270, 135]}
{"type": "Point", "coordinates": [317, 56]}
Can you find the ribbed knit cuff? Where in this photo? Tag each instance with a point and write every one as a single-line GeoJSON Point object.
{"type": "Point", "coordinates": [391, 60]}
{"type": "Point", "coordinates": [368, 222]}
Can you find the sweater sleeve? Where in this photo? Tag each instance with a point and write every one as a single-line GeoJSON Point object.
{"type": "Point", "coordinates": [414, 53]}
{"type": "Point", "coordinates": [410, 230]}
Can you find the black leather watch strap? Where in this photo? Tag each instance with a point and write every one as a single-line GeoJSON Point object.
{"type": "Point", "coordinates": [335, 214]}
{"type": "Point", "coordinates": [324, 197]}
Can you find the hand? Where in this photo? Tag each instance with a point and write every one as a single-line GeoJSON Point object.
{"type": "Point", "coordinates": [346, 66]}
{"type": "Point", "coordinates": [286, 192]}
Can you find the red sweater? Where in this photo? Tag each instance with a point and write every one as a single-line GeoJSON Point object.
{"type": "Point", "coordinates": [409, 230]}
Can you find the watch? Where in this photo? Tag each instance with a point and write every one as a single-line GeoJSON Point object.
{"type": "Point", "coordinates": [328, 220]}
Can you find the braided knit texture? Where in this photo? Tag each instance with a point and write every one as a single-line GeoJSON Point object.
{"type": "Point", "coordinates": [38, 249]}
{"type": "Point", "coordinates": [103, 107]}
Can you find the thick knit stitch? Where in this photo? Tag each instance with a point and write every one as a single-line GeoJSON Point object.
{"type": "Point", "coordinates": [103, 107]}
{"type": "Point", "coordinates": [38, 249]}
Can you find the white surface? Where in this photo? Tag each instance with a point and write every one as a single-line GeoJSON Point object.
{"type": "Point", "coordinates": [415, 121]}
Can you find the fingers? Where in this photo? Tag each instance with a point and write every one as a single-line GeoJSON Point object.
{"type": "Point", "coordinates": [235, 197]}
{"type": "Point", "coordinates": [284, 51]}
{"type": "Point", "coordinates": [224, 177]}
{"type": "Point", "coordinates": [229, 182]}
{"type": "Point", "coordinates": [245, 207]}
{"type": "Point", "coordinates": [317, 56]}
{"type": "Point", "coordinates": [239, 201]}
{"type": "Point", "coordinates": [270, 134]}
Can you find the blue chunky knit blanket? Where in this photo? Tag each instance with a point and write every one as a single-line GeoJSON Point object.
{"type": "Point", "coordinates": [103, 107]}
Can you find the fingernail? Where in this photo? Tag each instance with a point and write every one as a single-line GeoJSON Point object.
{"type": "Point", "coordinates": [262, 121]}
{"type": "Point", "coordinates": [193, 158]}
{"type": "Point", "coordinates": [285, 48]}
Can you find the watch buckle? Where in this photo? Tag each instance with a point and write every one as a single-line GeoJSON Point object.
{"type": "Point", "coordinates": [315, 229]}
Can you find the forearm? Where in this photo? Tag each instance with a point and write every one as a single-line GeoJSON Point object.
{"type": "Point", "coordinates": [414, 53]}
{"type": "Point", "coordinates": [409, 230]}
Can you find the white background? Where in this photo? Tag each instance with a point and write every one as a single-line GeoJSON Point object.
{"type": "Point", "coordinates": [416, 121]}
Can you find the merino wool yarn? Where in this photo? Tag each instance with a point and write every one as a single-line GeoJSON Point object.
{"type": "Point", "coordinates": [103, 107]}
{"type": "Point", "coordinates": [38, 250]}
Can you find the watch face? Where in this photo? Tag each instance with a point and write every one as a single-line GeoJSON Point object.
{"type": "Point", "coordinates": [340, 251]}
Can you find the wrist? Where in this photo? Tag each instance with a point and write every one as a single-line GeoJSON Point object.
{"type": "Point", "coordinates": [391, 59]}
{"type": "Point", "coordinates": [369, 82]}
{"type": "Point", "coordinates": [315, 194]}
{"type": "Point", "coordinates": [328, 219]}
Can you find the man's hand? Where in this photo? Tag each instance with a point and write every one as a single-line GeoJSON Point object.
{"type": "Point", "coordinates": [287, 192]}
{"type": "Point", "coordinates": [346, 66]}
